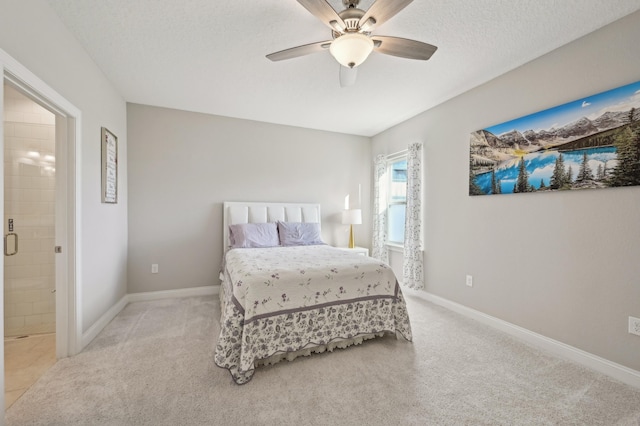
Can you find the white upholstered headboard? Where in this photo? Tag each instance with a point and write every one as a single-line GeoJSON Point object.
{"type": "Point", "coordinates": [257, 212]}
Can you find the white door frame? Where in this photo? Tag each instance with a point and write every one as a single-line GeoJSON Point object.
{"type": "Point", "coordinates": [68, 273]}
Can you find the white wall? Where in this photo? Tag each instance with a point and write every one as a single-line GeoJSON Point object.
{"type": "Point", "coordinates": [183, 166]}
{"type": "Point", "coordinates": [564, 265]}
{"type": "Point", "coordinates": [33, 35]}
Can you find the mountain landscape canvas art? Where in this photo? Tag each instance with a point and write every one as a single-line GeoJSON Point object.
{"type": "Point", "coordinates": [593, 142]}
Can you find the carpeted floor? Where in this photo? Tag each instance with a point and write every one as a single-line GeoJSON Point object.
{"type": "Point", "coordinates": [153, 365]}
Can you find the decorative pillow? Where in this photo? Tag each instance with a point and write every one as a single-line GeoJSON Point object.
{"type": "Point", "coordinates": [299, 234]}
{"type": "Point", "coordinates": [253, 235]}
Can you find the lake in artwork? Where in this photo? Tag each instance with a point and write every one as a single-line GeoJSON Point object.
{"type": "Point", "coordinates": [593, 142]}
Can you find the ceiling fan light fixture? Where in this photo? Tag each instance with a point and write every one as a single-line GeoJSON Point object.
{"type": "Point", "coordinates": [351, 49]}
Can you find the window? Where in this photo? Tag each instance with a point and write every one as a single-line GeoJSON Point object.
{"type": "Point", "coordinates": [397, 199]}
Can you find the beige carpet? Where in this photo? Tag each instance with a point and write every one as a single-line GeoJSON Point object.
{"type": "Point", "coordinates": [153, 365]}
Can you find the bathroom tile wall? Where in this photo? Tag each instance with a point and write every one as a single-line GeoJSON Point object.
{"type": "Point", "coordinates": [29, 134]}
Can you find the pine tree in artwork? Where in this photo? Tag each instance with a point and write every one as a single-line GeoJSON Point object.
{"type": "Point", "coordinates": [636, 145]}
{"type": "Point", "coordinates": [474, 188]}
{"type": "Point", "coordinates": [494, 183]}
{"type": "Point", "coordinates": [557, 177]}
{"type": "Point", "coordinates": [600, 172]}
{"type": "Point", "coordinates": [568, 178]}
{"type": "Point", "coordinates": [542, 185]}
{"type": "Point", "coordinates": [499, 187]}
{"type": "Point", "coordinates": [522, 183]}
{"type": "Point", "coordinates": [627, 171]}
{"type": "Point", "coordinates": [584, 173]}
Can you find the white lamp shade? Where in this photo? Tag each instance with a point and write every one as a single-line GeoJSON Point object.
{"type": "Point", "coordinates": [351, 49]}
{"type": "Point", "coordinates": [352, 217]}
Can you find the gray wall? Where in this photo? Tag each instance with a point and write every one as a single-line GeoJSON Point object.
{"type": "Point", "coordinates": [184, 165]}
{"type": "Point", "coordinates": [33, 35]}
{"type": "Point", "coordinates": [565, 265]}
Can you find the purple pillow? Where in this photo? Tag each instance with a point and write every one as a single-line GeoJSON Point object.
{"type": "Point", "coordinates": [299, 234]}
{"type": "Point", "coordinates": [253, 235]}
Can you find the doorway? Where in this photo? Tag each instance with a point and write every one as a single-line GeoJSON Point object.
{"type": "Point", "coordinates": [29, 241]}
{"type": "Point", "coordinates": [68, 299]}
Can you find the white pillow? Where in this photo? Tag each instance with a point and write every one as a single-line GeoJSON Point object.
{"type": "Point", "coordinates": [253, 235]}
{"type": "Point", "coordinates": [299, 233]}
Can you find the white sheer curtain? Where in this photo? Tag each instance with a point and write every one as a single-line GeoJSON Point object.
{"type": "Point", "coordinates": [379, 249]}
{"type": "Point", "coordinates": [412, 274]}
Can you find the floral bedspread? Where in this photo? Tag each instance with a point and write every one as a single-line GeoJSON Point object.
{"type": "Point", "coordinates": [281, 299]}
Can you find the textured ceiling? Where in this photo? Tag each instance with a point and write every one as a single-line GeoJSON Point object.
{"type": "Point", "coordinates": [209, 55]}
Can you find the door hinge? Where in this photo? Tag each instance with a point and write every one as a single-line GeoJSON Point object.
{"type": "Point", "coordinates": [58, 249]}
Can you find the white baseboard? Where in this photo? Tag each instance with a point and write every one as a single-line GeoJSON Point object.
{"type": "Point", "coordinates": [102, 322]}
{"type": "Point", "coordinates": [171, 294]}
{"type": "Point", "coordinates": [594, 362]}
{"type": "Point", "coordinates": [106, 318]}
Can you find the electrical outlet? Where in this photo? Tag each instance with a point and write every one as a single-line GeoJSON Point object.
{"type": "Point", "coordinates": [154, 268]}
{"type": "Point", "coordinates": [469, 281]}
{"type": "Point", "coordinates": [634, 325]}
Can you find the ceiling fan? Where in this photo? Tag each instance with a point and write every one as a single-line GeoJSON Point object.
{"type": "Point", "coordinates": [352, 41]}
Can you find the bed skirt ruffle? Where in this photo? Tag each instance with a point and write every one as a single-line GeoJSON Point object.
{"type": "Point", "coordinates": [242, 347]}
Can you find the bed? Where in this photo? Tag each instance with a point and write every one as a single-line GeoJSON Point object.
{"type": "Point", "coordinates": [288, 294]}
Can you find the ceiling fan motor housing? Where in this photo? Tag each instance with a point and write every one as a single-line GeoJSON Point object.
{"type": "Point", "coordinates": [350, 3]}
{"type": "Point", "coordinates": [351, 18]}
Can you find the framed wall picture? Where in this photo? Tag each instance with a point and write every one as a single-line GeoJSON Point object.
{"type": "Point", "coordinates": [592, 142]}
{"type": "Point", "coordinates": [109, 167]}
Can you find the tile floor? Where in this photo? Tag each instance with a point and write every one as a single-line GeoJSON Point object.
{"type": "Point", "coordinates": [25, 360]}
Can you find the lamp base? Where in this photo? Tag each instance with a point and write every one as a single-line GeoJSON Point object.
{"type": "Point", "coordinates": [352, 241]}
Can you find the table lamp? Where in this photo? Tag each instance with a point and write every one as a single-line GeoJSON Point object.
{"type": "Point", "coordinates": [352, 217]}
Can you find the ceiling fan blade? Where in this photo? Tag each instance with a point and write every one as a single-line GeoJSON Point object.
{"type": "Point", "coordinates": [348, 76]}
{"type": "Point", "coordinates": [381, 11]}
{"type": "Point", "coordinates": [295, 52]}
{"type": "Point", "coordinates": [403, 47]}
{"type": "Point", "coordinates": [322, 10]}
